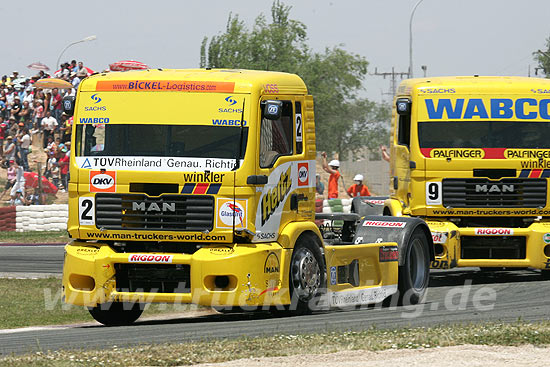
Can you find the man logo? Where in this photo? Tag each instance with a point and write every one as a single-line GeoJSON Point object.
{"type": "Point", "coordinates": [271, 264]}
{"type": "Point", "coordinates": [495, 188]}
{"type": "Point", "coordinates": [153, 207]}
{"type": "Point", "coordinates": [303, 174]}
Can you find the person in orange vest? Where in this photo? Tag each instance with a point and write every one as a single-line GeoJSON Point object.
{"type": "Point", "coordinates": [332, 169]}
{"type": "Point", "coordinates": [358, 189]}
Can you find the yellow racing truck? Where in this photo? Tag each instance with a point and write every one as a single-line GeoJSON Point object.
{"type": "Point", "coordinates": [471, 156]}
{"type": "Point", "coordinates": [198, 186]}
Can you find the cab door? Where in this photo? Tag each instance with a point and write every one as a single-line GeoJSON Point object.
{"type": "Point", "coordinates": [278, 135]}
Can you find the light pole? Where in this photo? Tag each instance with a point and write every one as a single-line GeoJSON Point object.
{"type": "Point", "coordinates": [411, 39]}
{"type": "Point", "coordinates": [89, 38]}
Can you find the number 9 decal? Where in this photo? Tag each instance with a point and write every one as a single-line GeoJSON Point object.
{"type": "Point", "coordinates": [433, 193]}
{"type": "Point", "coordinates": [86, 211]}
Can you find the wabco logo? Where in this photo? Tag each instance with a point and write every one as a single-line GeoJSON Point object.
{"type": "Point", "coordinates": [495, 188]}
{"type": "Point", "coordinates": [95, 98]}
{"type": "Point", "coordinates": [495, 108]}
{"type": "Point", "coordinates": [153, 207]}
{"type": "Point", "coordinates": [231, 100]}
{"type": "Point", "coordinates": [102, 181]}
{"type": "Point", "coordinates": [94, 120]}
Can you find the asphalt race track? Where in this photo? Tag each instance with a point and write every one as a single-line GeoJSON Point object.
{"type": "Point", "coordinates": [456, 296]}
{"type": "Point", "coordinates": [31, 259]}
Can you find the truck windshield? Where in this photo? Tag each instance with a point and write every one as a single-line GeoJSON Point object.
{"type": "Point", "coordinates": [147, 140]}
{"type": "Point", "coordinates": [484, 134]}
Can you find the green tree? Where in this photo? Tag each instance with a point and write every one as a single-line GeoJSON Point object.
{"type": "Point", "coordinates": [543, 58]}
{"type": "Point", "coordinates": [345, 122]}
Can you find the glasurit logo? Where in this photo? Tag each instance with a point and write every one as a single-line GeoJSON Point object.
{"type": "Point", "coordinates": [495, 188]}
{"type": "Point", "coordinates": [153, 207]}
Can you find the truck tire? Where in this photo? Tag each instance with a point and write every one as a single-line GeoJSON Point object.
{"type": "Point", "coordinates": [414, 274]}
{"type": "Point", "coordinates": [307, 276]}
{"type": "Point", "coordinates": [116, 313]}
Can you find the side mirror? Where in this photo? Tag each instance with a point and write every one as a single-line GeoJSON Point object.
{"type": "Point", "coordinates": [403, 106]}
{"type": "Point", "coordinates": [273, 109]}
{"type": "Point", "coordinates": [68, 105]}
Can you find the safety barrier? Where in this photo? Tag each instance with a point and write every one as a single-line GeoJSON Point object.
{"type": "Point", "coordinates": [34, 218]}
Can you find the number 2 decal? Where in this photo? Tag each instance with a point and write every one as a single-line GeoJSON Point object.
{"type": "Point", "coordinates": [86, 211]}
{"type": "Point", "coordinates": [298, 128]}
{"type": "Point", "coordinates": [433, 193]}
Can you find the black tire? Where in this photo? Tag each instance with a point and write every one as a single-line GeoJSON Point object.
{"type": "Point", "coordinates": [307, 276]}
{"type": "Point", "coordinates": [116, 313]}
{"type": "Point", "coordinates": [414, 274]}
{"type": "Point", "coordinates": [545, 274]}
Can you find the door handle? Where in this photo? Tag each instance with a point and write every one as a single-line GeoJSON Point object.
{"type": "Point", "coordinates": [256, 180]}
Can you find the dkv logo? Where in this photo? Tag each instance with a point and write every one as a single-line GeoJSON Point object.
{"type": "Point", "coordinates": [102, 181]}
{"type": "Point", "coordinates": [303, 174]}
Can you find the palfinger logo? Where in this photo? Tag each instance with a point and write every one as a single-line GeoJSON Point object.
{"type": "Point", "coordinates": [95, 98]}
{"type": "Point", "coordinates": [231, 100]}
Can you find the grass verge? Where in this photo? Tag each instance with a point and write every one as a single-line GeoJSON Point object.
{"type": "Point", "coordinates": [283, 345]}
{"type": "Point", "coordinates": [36, 302]}
{"type": "Point", "coordinates": [34, 237]}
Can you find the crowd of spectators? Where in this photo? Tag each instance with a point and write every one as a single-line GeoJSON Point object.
{"type": "Point", "coordinates": [30, 114]}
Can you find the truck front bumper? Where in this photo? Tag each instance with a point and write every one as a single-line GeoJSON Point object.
{"type": "Point", "coordinates": [236, 275]}
{"type": "Point", "coordinates": [490, 247]}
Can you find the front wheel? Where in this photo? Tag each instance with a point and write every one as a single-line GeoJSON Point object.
{"type": "Point", "coordinates": [415, 272]}
{"type": "Point", "coordinates": [116, 313]}
{"type": "Point", "coordinates": [307, 276]}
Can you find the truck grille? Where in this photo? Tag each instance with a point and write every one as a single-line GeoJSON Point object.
{"type": "Point", "coordinates": [166, 212]}
{"type": "Point", "coordinates": [493, 247]}
{"type": "Point", "coordinates": [173, 278]}
{"type": "Point", "coordinates": [505, 193]}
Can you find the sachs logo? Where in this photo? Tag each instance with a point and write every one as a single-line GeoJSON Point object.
{"type": "Point", "coordinates": [95, 98]}
{"type": "Point", "coordinates": [230, 100]}
{"type": "Point", "coordinates": [102, 181]}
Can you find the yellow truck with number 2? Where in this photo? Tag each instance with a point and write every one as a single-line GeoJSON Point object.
{"type": "Point", "coordinates": [198, 186]}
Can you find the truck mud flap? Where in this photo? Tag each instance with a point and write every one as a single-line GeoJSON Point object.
{"type": "Point", "coordinates": [376, 229]}
{"type": "Point", "coordinates": [368, 205]}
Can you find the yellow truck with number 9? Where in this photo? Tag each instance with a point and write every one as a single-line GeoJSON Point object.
{"type": "Point", "coordinates": [471, 156]}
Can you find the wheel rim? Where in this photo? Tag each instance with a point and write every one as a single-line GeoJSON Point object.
{"type": "Point", "coordinates": [417, 265]}
{"type": "Point", "coordinates": [307, 274]}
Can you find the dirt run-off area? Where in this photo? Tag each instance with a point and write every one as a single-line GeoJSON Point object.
{"type": "Point", "coordinates": [462, 355]}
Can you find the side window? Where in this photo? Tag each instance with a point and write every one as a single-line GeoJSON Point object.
{"type": "Point", "coordinates": [299, 128]}
{"type": "Point", "coordinates": [276, 136]}
{"type": "Point", "coordinates": [404, 132]}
